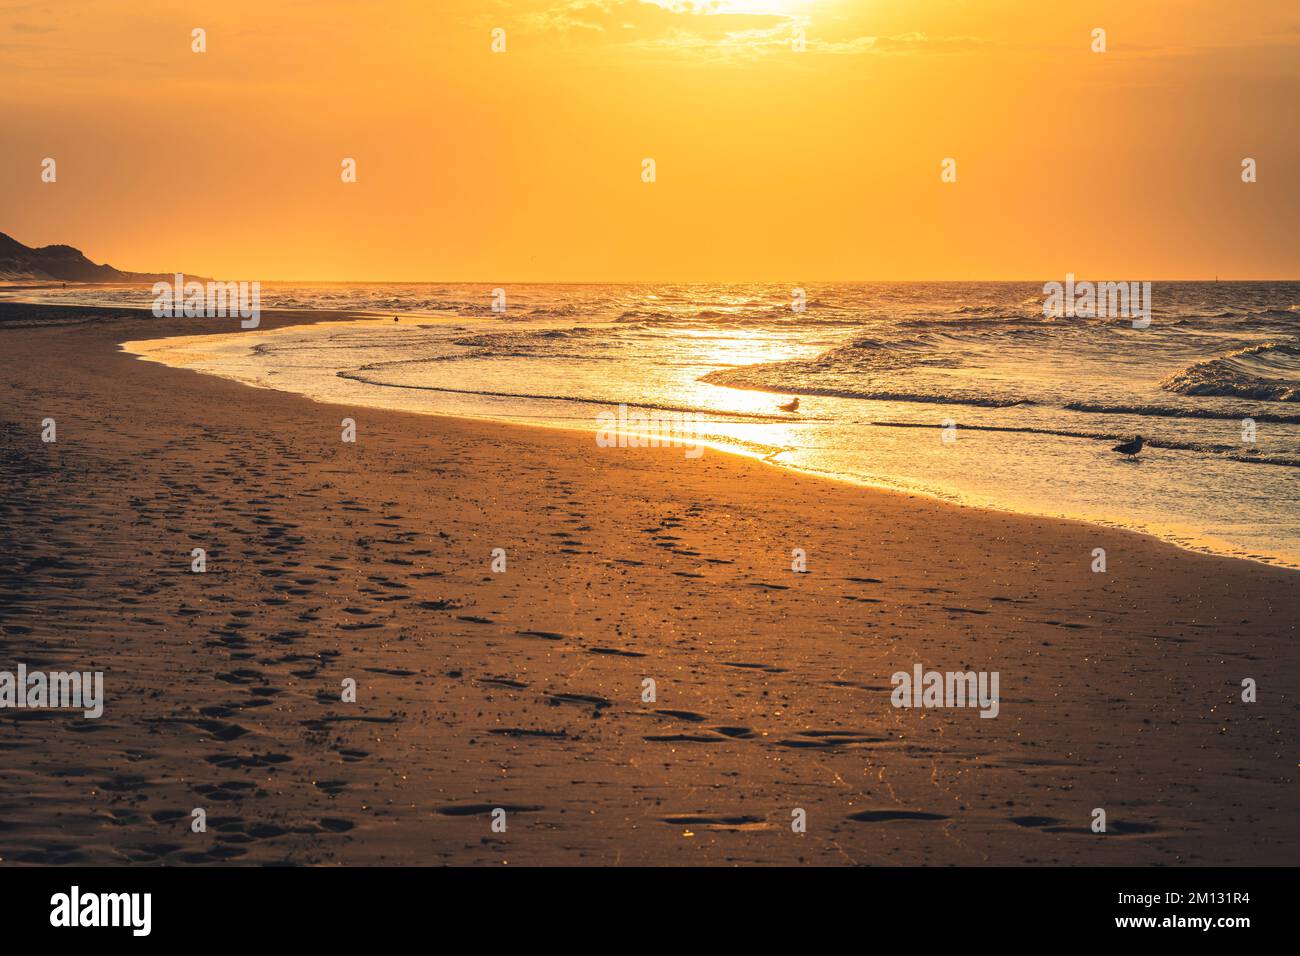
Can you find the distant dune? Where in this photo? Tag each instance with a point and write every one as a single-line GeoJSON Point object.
{"type": "Point", "coordinates": [65, 263]}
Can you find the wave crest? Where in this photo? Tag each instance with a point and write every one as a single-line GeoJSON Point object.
{"type": "Point", "coordinates": [1267, 372]}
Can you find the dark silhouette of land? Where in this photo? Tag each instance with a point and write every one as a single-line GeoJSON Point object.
{"type": "Point", "coordinates": [65, 263]}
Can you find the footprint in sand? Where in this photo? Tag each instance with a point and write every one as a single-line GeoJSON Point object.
{"type": "Point", "coordinates": [589, 699]}
{"type": "Point", "coordinates": [748, 666]}
{"type": "Point", "coordinates": [885, 816]}
{"type": "Point", "coordinates": [740, 733]}
{"type": "Point", "coordinates": [544, 635]}
{"type": "Point", "coordinates": [503, 682]}
{"type": "Point", "coordinates": [682, 715]}
{"type": "Point", "coordinates": [1035, 822]}
{"type": "Point", "coordinates": [706, 822]}
{"type": "Point", "coordinates": [1113, 828]}
{"type": "Point", "coordinates": [335, 825]}
{"type": "Point", "coordinates": [239, 761]}
{"type": "Point", "coordinates": [475, 809]}
{"type": "Point", "coordinates": [614, 652]}
{"type": "Point", "coordinates": [227, 790]}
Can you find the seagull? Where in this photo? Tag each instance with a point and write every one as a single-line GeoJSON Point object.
{"type": "Point", "coordinates": [1130, 448]}
{"type": "Point", "coordinates": [790, 406]}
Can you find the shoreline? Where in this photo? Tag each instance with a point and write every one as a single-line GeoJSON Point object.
{"type": "Point", "coordinates": [310, 319]}
{"type": "Point", "coordinates": [523, 689]}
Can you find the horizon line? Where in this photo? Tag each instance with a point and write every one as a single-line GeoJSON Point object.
{"type": "Point", "coordinates": [488, 282]}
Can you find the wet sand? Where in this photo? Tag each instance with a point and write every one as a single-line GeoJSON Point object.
{"type": "Point", "coordinates": [523, 690]}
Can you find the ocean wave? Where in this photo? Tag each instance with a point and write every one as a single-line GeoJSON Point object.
{"type": "Point", "coordinates": [1231, 452]}
{"type": "Point", "coordinates": [357, 375]}
{"type": "Point", "coordinates": [979, 310]}
{"type": "Point", "coordinates": [835, 373]}
{"type": "Point", "coordinates": [738, 378]}
{"type": "Point", "coordinates": [1170, 411]}
{"type": "Point", "coordinates": [578, 343]}
{"type": "Point", "coordinates": [1266, 372]}
{"type": "Point", "coordinates": [780, 315]}
{"type": "Point", "coordinates": [725, 377]}
{"type": "Point", "coordinates": [973, 321]}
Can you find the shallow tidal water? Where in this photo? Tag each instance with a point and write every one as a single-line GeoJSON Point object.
{"type": "Point", "coordinates": [965, 392]}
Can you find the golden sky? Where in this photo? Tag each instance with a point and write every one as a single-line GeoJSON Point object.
{"type": "Point", "coordinates": [773, 164]}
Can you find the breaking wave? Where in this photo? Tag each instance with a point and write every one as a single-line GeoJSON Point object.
{"type": "Point", "coordinates": [1267, 372]}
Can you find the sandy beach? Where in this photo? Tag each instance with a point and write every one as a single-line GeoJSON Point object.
{"type": "Point", "coordinates": [523, 689]}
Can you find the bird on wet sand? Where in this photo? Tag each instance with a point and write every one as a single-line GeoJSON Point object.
{"type": "Point", "coordinates": [790, 406]}
{"type": "Point", "coordinates": [1130, 448]}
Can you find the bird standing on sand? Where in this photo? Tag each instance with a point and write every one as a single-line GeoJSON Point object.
{"type": "Point", "coordinates": [790, 406]}
{"type": "Point", "coordinates": [1130, 448]}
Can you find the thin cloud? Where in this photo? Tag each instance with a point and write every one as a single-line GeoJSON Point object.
{"type": "Point", "coordinates": [715, 30]}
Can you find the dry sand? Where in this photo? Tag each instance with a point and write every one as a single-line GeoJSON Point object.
{"type": "Point", "coordinates": [523, 690]}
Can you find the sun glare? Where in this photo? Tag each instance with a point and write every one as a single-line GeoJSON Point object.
{"type": "Point", "coordinates": [783, 8]}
